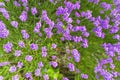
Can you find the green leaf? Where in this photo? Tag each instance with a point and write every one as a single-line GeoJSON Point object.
{"type": "Point", "coordinates": [50, 72]}
{"type": "Point", "coordinates": [56, 75]}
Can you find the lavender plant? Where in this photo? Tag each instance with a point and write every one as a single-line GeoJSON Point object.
{"type": "Point", "coordinates": [59, 39]}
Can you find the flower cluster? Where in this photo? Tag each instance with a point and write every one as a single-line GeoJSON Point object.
{"type": "Point", "coordinates": [58, 48]}
{"type": "Point", "coordinates": [4, 32]}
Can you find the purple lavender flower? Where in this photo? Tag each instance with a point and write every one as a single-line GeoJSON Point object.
{"type": "Point", "coordinates": [77, 21]}
{"type": "Point", "coordinates": [86, 34]}
{"type": "Point", "coordinates": [118, 58]}
{"type": "Point", "coordinates": [44, 16]}
{"type": "Point", "coordinates": [54, 57]}
{"type": "Point", "coordinates": [70, 6]}
{"type": "Point", "coordinates": [71, 67]}
{"type": "Point", "coordinates": [77, 5]}
{"type": "Point", "coordinates": [40, 34]}
{"type": "Point", "coordinates": [34, 46]}
{"type": "Point", "coordinates": [40, 64]}
{"type": "Point", "coordinates": [4, 13]}
{"type": "Point", "coordinates": [23, 16]}
{"type": "Point", "coordinates": [48, 32]}
{"type": "Point", "coordinates": [116, 2]}
{"type": "Point", "coordinates": [54, 46]}
{"type": "Point", "coordinates": [2, 4]}
{"type": "Point", "coordinates": [4, 63]}
{"type": "Point", "coordinates": [15, 77]}
{"type": "Point", "coordinates": [76, 55]}
{"type": "Point", "coordinates": [84, 76]}
{"type": "Point", "coordinates": [19, 64]}
{"type": "Point", "coordinates": [21, 44]}
{"type": "Point", "coordinates": [3, 31]}
{"type": "Point", "coordinates": [17, 53]}
{"type": "Point", "coordinates": [77, 14]}
{"type": "Point", "coordinates": [112, 66]}
{"type": "Point", "coordinates": [1, 77]}
{"type": "Point", "coordinates": [37, 27]}
{"type": "Point", "coordinates": [14, 24]}
{"type": "Point", "coordinates": [28, 58]}
{"type": "Point", "coordinates": [60, 11]}
{"type": "Point", "coordinates": [25, 35]}
{"type": "Point", "coordinates": [88, 14]}
{"type": "Point", "coordinates": [83, 14]}
{"type": "Point", "coordinates": [7, 47]}
{"type": "Point", "coordinates": [105, 6]}
{"type": "Point", "coordinates": [44, 53]}
{"type": "Point", "coordinates": [54, 64]}
{"type": "Point", "coordinates": [28, 75]}
{"type": "Point", "coordinates": [16, 3]}
{"type": "Point", "coordinates": [12, 69]}
{"type": "Point", "coordinates": [26, 8]}
{"type": "Point", "coordinates": [37, 72]}
{"type": "Point", "coordinates": [65, 78]}
{"type": "Point", "coordinates": [34, 10]}
{"type": "Point", "coordinates": [46, 77]}
{"type": "Point", "coordinates": [94, 1]}
{"type": "Point", "coordinates": [116, 36]}
{"type": "Point", "coordinates": [85, 43]}
{"type": "Point", "coordinates": [24, 2]}
{"type": "Point", "coordinates": [114, 29]}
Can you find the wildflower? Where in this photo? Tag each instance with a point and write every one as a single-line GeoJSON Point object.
{"type": "Point", "coordinates": [105, 6]}
{"type": "Point", "coordinates": [84, 76]}
{"type": "Point", "coordinates": [78, 21]}
{"type": "Point", "coordinates": [2, 4]}
{"type": "Point", "coordinates": [37, 72]}
{"type": "Point", "coordinates": [54, 57]}
{"type": "Point", "coordinates": [71, 67]}
{"type": "Point", "coordinates": [34, 46]}
{"type": "Point", "coordinates": [28, 58]}
{"type": "Point", "coordinates": [14, 24]}
{"type": "Point", "coordinates": [4, 63]}
{"type": "Point", "coordinates": [3, 31]}
{"type": "Point", "coordinates": [17, 53]}
{"type": "Point", "coordinates": [28, 75]}
{"type": "Point", "coordinates": [19, 64]}
{"type": "Point", "coordinates": [118, 58]}
{"type": "Point", "coordinates": [86, 34]}
{"type": "Point", "coordinates": [8, 47]}
{"type": "Point", "coordinates": [54, 64]}
{"type": "Point", "coordinates": [54, 46]}
{"type": "Point", "coordinates": [85, 43]}
{"type": "Point", "coordinates": [77, 14]}
{"type": "Point", "coordinates": [40, 64]}
{"type": "Point", "coordinates": [23, 16]}
{"type": "Point", "coordinates": [25, 35]}
{"type": "Point", "coordinates": [5, 13]}
{"type": "Point", "coordinates": [76, 55]}
{"type": "Point", "coordinates": [1, 78]}
{"type": "Point", "coordinates": [12, 69]}
{"type": "Point", "coordinates": [77, 5]}
{"type": "Point", "coordinates": [112, 66]}
{"type": "Point", "coordinates": [16, 3]}
{"type": "Point", "coordinates": [21, 44]}
{"type": "Point", "coordinates": [34, 10]}
{"type": "Point", "coordinates": [37, 27]}
{"type": "Point", "coordinates": [15, 77]}
{"type": "Point", "coordinates": [46, 77]}
{"type": "Point", "coordinates": [65, 78]}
